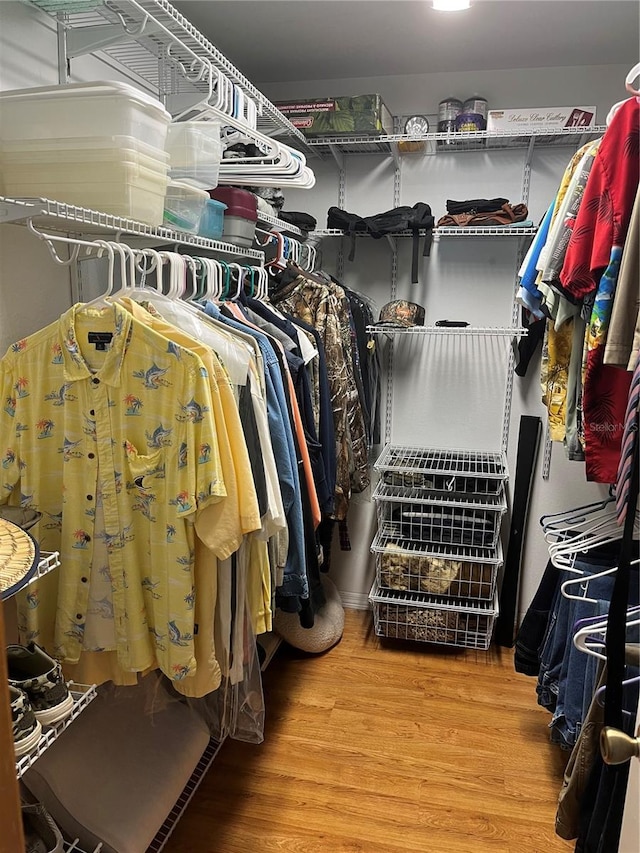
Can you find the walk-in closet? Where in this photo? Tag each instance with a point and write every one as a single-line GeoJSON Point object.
{"type": "Point", "coordinates": [319, 459]}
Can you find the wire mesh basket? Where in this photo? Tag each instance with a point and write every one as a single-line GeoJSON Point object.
{"type": "Point", "coordinates": [460, 472]}
{"type": "Point", "coordinates": [444, 525]}
{"type": "Point", "coordinates": [408, 616]}
{"type": "Point", "coordinates": [436, 574]}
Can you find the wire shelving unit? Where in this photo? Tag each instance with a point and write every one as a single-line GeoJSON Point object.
{"type": "Point", "coordinates": [69, 218]}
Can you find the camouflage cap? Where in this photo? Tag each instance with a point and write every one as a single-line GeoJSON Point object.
{"type": "Point", "coordinates": [400, 312]}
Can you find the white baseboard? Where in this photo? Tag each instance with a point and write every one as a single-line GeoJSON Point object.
{"type": "Point", "coordinates": [355, 600]}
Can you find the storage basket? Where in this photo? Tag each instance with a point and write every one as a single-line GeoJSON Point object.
{"type": "Point", "coordinates": [408, 616]}
{"type": "Point", "coordinates": [442, 525]}
{"type": "Point", "coordinates": [397, 568]}
{"type": "Point", "coordinates": [441, 471]}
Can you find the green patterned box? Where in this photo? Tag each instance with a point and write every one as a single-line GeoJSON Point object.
{"type": "Point", "coordinates": [358, 114]}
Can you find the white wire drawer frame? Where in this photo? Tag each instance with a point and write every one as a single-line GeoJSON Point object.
{"type": "Point", "coordinates": [409, 616]}
{"type": "Point", "coordinates": [390, 491]}
{"type": "Point", "coordinates": [441, 525]}
{"type": "Point", "coordinates": [443, 576]}
{"type": "Point", "coordinates": [390, 533]}
{"type": "Point", "coordinates": [449, 471]}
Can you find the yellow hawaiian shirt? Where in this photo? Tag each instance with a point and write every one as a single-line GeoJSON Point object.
{"type": "Point", "coordinates": [106, 428]}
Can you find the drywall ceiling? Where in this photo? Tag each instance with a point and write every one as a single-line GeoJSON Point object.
{"type": "Point", "coordinates": [285, 40]}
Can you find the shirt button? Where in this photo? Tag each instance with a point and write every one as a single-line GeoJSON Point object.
{"type": "Point", "coordinates": [95, 380]}
{"type": "Point", "coordinates": [91, 455]}
{"type": "Point", "coordinates": [87, 538]}
{"type": "Point", "coordinates": [92, 412]}
{"type": "Point", "coordinates": [78, 615]}
{"type": "Point", "coordinates": [83, 580]}
{"type": "Point", "coordinates": [89, 497]}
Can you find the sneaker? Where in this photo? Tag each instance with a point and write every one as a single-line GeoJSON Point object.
{"type": "Point", "coordinates": [32, 670]}
{"type": "Point", "coordinates": [41, 835]}
{"type": "Point", "coordinates": [27, 731]}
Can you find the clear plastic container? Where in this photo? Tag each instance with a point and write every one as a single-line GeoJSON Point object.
{"type": "Point", "coordinates": [83, 109]}
{"type": "Point", "coordinates": [212, 219]}
{"type": "Point", "coordinates": [123, 188]}
{"type": "Point", "coordinates": [183, 207]}
{"type": "Point", "coordinates": [195, 152]}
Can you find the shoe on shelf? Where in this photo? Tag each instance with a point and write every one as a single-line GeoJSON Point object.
{"type": "Point", "coordinates": [27, 731]}
{"type": "Point", "coordinates": [41, 835]}
{"type": "Point", "coordinates": [40, 676]}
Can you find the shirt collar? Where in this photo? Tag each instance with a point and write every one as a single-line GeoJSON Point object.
{"type": "Point", "coordinates": [75, 367]}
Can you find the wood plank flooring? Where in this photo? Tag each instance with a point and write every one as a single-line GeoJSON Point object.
{"type": "Point", "coordinates": [384, 747]}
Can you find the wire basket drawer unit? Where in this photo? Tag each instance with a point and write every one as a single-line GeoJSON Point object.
{"type": "Point", "coordinates": [470, 573]}
{"type": "Point", "coordinates": [433, 470]}
{"type": "Point", "coordinates": [409, 616]}
{"type": "Point", "coordinates": [442, 525]}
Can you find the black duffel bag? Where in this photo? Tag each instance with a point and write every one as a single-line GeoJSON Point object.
{"type": "Point", "coordinates": [416, 219]}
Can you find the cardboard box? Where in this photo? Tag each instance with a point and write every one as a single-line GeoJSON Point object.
{"type": "Point", "coordinates": [342, 116]}
{"type": "Point", "coordinates": [538, 119]}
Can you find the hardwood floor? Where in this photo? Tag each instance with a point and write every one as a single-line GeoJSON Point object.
{"type": "Point", "coordinates": [381, 747]}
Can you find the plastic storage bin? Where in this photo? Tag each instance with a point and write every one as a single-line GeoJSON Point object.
{"type": "Point", "coordinates": [212, 219]}
{"type": "Point", "coordinates": [122, 188]}
{"type": "Point", "coordinates": [195, 150]}
{"type": "Point", "coordinates": [83, 109]}
{"type": "Point", "coordinates": [183, 206]}
{"type": "Point", "coordinates": [78, 149]}
{"type": "Point", "coordinates": [241, 214]}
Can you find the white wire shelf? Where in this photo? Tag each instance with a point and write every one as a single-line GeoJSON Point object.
{"type": "Point", "coordinates": [162, 836]}
{"type": "Point", "coordinates": [448, 331]}
{"type": "Point", "coordinates": [69, 218]}
{"type": "Point", "coordinates": [82, 694]}
{"type": "Point", "coordinates": [49, 560]}
{"type": "Point", "coordinates": [494, 231]}
{"type": "Point", "coordinates": [164, 54]}
{"type": "Point", "coordinates": [454, 143]}
{"type": "Point", "coordinates": [276, 224]}
{"type": "Point", "coordinates": [389, 534]}
{"type": "Point", "coordinates": [413, 616]}
{"type": "Point", "coordinates": [417, 495]}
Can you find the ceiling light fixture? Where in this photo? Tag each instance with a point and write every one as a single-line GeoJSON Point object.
{"type": "Point", "coordinates": [451, 5]}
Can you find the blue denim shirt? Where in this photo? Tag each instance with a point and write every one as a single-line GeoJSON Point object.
{"type": "Point", "coordinates": [281, 432]}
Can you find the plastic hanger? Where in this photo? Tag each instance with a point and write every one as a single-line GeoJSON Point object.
{"type": "Point", "coordinates": [592, 638]}
{"type": "Point", "coordinates": [631, 76]}
{"type": "Point", "coordinates": [566, 588]}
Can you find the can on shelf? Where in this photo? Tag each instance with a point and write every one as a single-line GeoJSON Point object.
{"type": "Point", "coordinates": [448, 111]}
{"type": "Point", "coordinates": [478, 105]}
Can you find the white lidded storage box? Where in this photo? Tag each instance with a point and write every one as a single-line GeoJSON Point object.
{"type": "Point", "coordinates": [120, 187]}
{"type": "Point", "coordinates": [195, 151]}
{"type": "Point", "coordinates": [83, 109]}
{"type": "Point", "coordinates": [78, 149]}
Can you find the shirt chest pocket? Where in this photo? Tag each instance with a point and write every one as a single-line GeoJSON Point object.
{"type": "Point", "coordinates": [145, 478]}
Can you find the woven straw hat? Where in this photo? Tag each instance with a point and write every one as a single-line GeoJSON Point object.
{"type": "Point", "coordinates": [19, 557]}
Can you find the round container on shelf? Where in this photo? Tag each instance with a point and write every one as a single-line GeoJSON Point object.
{"type": "Point", "coordinates": [469, 122]}
{"type": "Point", "coordinates": [448, 111]}
{"type": "Point", "coordinates": [476, 104]}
